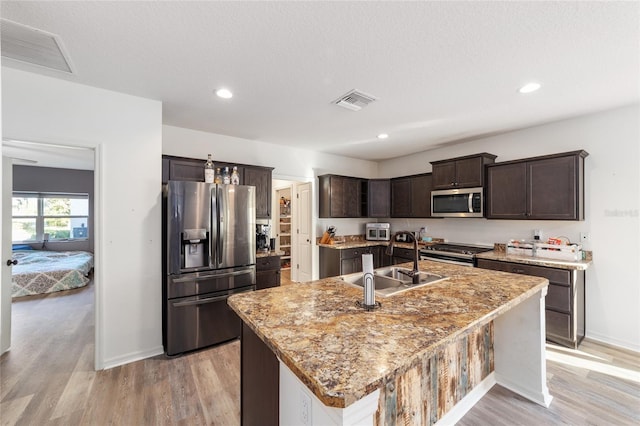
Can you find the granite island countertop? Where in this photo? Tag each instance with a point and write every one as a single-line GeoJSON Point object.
{"type": "Point", "coordinates": [342, 353]}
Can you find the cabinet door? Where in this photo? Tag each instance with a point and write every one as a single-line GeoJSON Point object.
{"type": "Point", "coordinates": [261, 179]}
{"type": "Point", "coordinates": [552, 189]}
{"type": "Point", "coordinates": [349, 266]}
{"type": "Point", "coordinates": [186, 170]}
{"type": "Point", "coordinates": [267, 279]}
{"type": "Point", "coordinates": [469, 172]}
{"type": "Point", "coordinates": [444, 175]}
{"type": "Point", "coordinates": [336, 196]}
{"type": "Point", "coordinates": [506, 191]}
{"type": "Point", "coordinates": [421, 196]}
{"type": "Point", "coordinates": [351, 197]}
{"type": "Point", "coordinates": [401, 197]}
{"type": "Point", "coordinates": [379, 197]}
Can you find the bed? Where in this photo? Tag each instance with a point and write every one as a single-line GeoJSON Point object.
{"type": "Point", "coordinates": [42, 271]}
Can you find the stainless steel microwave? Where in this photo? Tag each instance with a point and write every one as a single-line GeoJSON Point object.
{"type": "Point", "coordinates": [464, 202]}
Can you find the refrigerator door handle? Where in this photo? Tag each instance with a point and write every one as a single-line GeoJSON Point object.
{"type": "Point", "coordinates": [221, 228]}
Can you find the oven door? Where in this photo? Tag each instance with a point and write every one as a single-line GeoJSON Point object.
{"type": "Point", "coordinates": [195, 322]}
{"type": "Point", "coordinates": [445, 258]}
{"type": "Point", "coordinates": [372, 234]}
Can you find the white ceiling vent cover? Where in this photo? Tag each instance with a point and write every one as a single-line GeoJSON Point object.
{"type": "Point", "coordinates": [354, 100]}
{"type": "Point", "coordinates": [33, 46]}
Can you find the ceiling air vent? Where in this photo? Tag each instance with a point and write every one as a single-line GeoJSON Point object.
{"type": "Point", "coordinates": [33, 46]}
{"type": "Point", "coordinates": [354, 100]}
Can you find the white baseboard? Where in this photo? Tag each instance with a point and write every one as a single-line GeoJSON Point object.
{"type": "Point", "coordinates": [539, 397]}
{"type": "Point", "coordinates": [132, 357]}
{"type": "Point", "coordinates": [467, 403]}
{"type": "Point", "coordinates": [607, 340]}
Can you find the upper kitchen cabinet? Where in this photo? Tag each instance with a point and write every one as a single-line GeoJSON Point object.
{"type": "Point", "coordinates": [541, 188]}
{"type": "Point", "coordinates": [411, 196]}
{"type": "Point", "coordinates": [461, 172]}
{"type": "Point", "coordinates": [260, 177]}
{"type": "Point", "coordinates": [378, 197]}
{"type": "Point", "coordinates": [340, 196]}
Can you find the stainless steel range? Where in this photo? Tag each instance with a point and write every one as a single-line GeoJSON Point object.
{"type": "Point", "coordinates": [458, 254]}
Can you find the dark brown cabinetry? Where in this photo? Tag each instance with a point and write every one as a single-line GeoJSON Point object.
{"type": "Point", "coordinates": [540, 188]}
{"type": "Point", "coordinates": [411, 196]}
{"type": "Point", "coordinates": [191, 169]}
{"type": "Point", "coordinates": [564, 304]}
{"type": "Point", "coordinates": [340, 196]}
{"type": "Point", "coordinates": [260, 177]}
{"type": "Point", "coordinates": [259, 381]}
{"type": "Point", "coordinates": [267, 272]}
{"type": "Point", "coordinates": [334, 262]}
{"type": "Point", "coordinates": [378, 197]}
{"type": "Point", "coordinates": [461, 172]}
{"type": "Point", "coordinates": [402, 255]}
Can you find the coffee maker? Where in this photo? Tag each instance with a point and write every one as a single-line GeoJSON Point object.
{"type": "Point", "coordinates": [262, 237]}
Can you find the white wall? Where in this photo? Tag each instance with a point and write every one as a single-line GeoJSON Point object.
{"type": "Point", "coordinates": [612, 139]}
{"type": "Point", "coordinates": [126, 132]}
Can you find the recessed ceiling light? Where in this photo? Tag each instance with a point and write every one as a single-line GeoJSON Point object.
{"type": "Point", "coordinates": [224, 93]}
{"type": "Point", "coordinates": [383, 136]}
{"type": "Point", "coordinates": [529, 87]}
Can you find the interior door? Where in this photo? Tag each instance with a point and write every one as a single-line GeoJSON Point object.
{"type": "Point", "coordinates": [304, 233]}
{"type": "Point", "coordinates": [5, 237]}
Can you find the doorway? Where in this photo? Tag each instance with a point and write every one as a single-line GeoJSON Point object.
{"type": "Point", "coordinates": [54, 158]}
{"type": "Point", "coordinates": [292, 227]}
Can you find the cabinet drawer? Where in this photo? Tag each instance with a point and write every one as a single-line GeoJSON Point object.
{"type": "Point", "coordinates": [267, 263]}
{"type": "Point", "coordinates": [355, 252]}
{"type": "Point", "coordinates": [556, 276]}
{"type": "Point", "coordinates": [559, 324]}
{"type": "Point", "coordinates": [559, 297]}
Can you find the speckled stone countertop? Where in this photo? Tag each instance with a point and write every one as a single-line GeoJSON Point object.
{"type": "Point", "coordinates": [261, 253]}
{"type": "Point", "coordinates": [535, 261]}
{"type": "Point", "coordinates": [342, 353]}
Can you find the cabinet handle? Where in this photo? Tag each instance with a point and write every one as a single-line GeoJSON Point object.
{"type": "Point", "coordinates": [518, 271]}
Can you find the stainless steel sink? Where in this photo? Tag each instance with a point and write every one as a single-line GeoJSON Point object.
{"type": "Point", "coordinates": [393, 280]}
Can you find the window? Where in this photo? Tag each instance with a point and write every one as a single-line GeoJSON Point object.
{"type": "Point", "coordinates": [49, 216]}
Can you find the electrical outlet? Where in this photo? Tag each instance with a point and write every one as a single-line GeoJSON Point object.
{"type": "Point", "coordinates": [305, 409]}
{"type": "Point", "coordinates": [537, 234]}
{"type": "Point", "coordinates": [584, 237]}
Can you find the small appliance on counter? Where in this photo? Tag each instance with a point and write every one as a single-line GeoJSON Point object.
{"type": "Point", "coordinates": [378, 231]}
{"type": "Point", "coordinates": [262, 238]}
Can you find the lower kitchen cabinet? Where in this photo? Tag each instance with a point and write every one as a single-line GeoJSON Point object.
{"type": "Point", "coordinates": [402, 255]}
{"type": "Point", "coordinates": [267, 272]}
{"type": "Point", "coordinates": [334, 262]}
{"type": "Point", "coordinates": [564, 303]}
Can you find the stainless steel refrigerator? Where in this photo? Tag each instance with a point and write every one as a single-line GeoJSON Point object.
{"type": "Point", "coordinates": [210, 254]}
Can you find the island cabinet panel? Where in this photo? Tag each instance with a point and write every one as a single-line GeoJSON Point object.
{"type": "Point", "coordinates": [433, 385]}
{"type": "Point", "coordinates": [564, 303]}
{"type": "Point", "coordinates": [340, 196]}
{"type": "Point", "coordinates": [540, 188]}
{"type": "Point", "coordinates": [411, 196]}
{"type": "Point", "coordinates": [260, 177]}
{"type": "Point", "coordinates": [267, 272]}
{"type": "Point", "coordinates": [259, 381]}
{"type": "Point", "coordinates": [461, 172]}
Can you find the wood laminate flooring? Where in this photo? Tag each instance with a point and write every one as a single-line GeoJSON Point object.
{"type": "Point", "coordinates": [47, 379]}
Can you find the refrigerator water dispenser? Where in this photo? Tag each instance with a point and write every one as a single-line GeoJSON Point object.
{"type": "Point", "coordinates": [194, 248]}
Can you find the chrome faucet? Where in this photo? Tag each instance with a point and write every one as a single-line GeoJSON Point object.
{"type": "Point", "coordinates": [414, 274]}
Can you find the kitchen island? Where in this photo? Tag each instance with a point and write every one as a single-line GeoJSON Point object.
{"type": "Point", "coordinates": [424, 356]}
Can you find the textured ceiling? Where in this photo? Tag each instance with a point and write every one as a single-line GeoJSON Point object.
{"type": "Point", "coordinates": [442, 71]}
